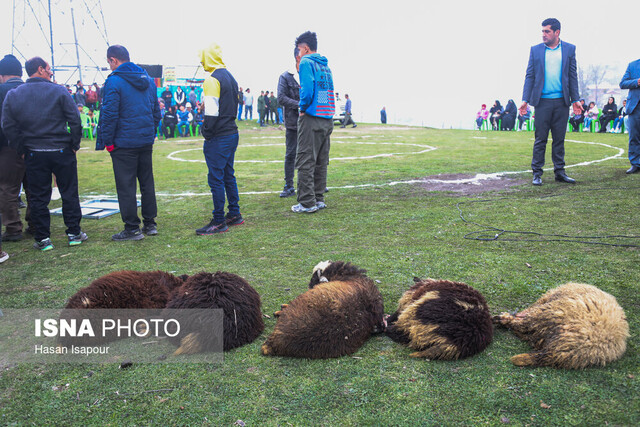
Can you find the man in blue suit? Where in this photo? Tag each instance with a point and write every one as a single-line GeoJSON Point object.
{"type": "Point", "coordinates": [550, 85]}
{"type": "Point", "coordinates": [631, 81]}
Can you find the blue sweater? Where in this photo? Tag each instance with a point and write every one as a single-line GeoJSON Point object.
{"type": "Point", "coordinates": [316, 87]}
{"type": "Point", "coordinates": [130, 110]}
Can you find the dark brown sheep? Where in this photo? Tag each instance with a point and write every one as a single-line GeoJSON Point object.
{"type": "Point", "coordinates": [332, 319]}
{"type": "Point", "coordinates": [573, 326]}
{"type": "Point", "coordinates": [242, 317]}
{"type": "Point", "coordinates": [441, 320]}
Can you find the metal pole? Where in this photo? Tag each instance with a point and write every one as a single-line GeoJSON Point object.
{"type": "Point", "coordinates": [13, 27]}
{"type": "Point", "coordinates": [53, 61]}
{"type": "Point", "coordinates": [75, 38]}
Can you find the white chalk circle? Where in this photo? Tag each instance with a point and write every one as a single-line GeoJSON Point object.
{"type": "Point", "coordinates": [422, 148]}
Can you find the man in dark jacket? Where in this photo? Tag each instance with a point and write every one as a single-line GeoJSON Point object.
{"type": "Point", "coordinates": [12, 169]}
{"type": "Point", "coordinates": [127, 129]}
{"type": "Point", "coordinates": [289, 97]}
{"type": "Point", "coordinates": [35, 117]}
{"type": "Point", "coordinates": [167, 97]}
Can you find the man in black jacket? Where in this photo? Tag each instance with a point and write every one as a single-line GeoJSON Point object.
{"type": "Point", "coordinates": [35, 117]}
{"type": "Point", "coordinates": [289, 97]}
{"type": "Point", "coordinates": [12, 168]}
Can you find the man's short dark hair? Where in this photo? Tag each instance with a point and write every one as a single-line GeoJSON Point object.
{"type": "Point", "coordinates": [32, 65]}
{"type": "Point", "coordinates": [119, 52]}
{"type": "Point", "coordinates": [555, 24]}
{"type": "Point", "coordinates": [296, 52]}
{"type": "Point", "coordinates": [309, 39]}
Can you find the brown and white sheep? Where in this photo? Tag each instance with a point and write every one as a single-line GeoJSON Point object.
{"type": "Point", "coordinates": [441, 320]}
{"type": "Point", "coordinates": [242, 316]}
{"type": "Point", "coordinates": [333, 318]}
{"type": "Point", "coordinates": [573, 326]}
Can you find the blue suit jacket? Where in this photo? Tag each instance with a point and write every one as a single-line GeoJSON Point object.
{"type": "Point", "coordinates": [630, 81]}
{"type": "Point", "coordinates": [534, 79]}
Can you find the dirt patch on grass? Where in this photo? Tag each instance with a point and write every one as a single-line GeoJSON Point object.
{"type": "Point", "coordinates": [466, 184]}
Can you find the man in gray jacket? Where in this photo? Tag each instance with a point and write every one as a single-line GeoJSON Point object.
{"type": "Point", "coordinates": [289, 97]}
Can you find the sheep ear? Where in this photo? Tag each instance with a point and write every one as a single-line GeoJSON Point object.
{"type": "Point", "coordinates": [417, 279]}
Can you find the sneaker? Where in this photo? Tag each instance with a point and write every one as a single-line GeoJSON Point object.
{"type": "Point", "coordinates": [3, 256]}
{"type": "Point", "coordinates": [355, 126]}
{"type": "Point", "coordinates": [44, 245]}
{"type": "Point", "coordinates": [55, 194]}
{"type": "Point", "coordinates": [21, 204]}
{"type": "Point", "coordinates": [76, 239]}
{"type": "Point", "coordinates": [288, 191]}
{"type": "Point", "coordinates": [212, 228]}
{"type": "Point", "coordinates": [321, 205]}
{"type": "Point", "coordinates": [301, 209]}
{"type": "Point", "coordinates": [234, 220]}
{"type": "Point", "coordinates": [150, 230]}
{"type": "Point", "coordinates": [128, 235]}
{"type": "Point", "coordinates": [6, 237]}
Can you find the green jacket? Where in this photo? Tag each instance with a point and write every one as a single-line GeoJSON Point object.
{"type": "Point", "coordinates": [274, 103]}
{"type": "Point", "coordinates": [261, 103]}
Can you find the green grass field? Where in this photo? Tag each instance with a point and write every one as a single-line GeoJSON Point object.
{"type": "Point", "coordinates": [396, 232]}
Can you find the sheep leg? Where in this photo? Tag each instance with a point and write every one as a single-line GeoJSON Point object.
{"type": "Point", "coordinates": [438, 351]}
{"type": "Point", "coordinates": [279, 312]}
{"type": "Point", "coordinates": [189, 345]}
{"type": "Point", "coordinates": [535, 358]}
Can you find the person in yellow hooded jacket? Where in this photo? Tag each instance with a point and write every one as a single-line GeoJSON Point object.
{"type": "Point", "coordinates": [220, 96]}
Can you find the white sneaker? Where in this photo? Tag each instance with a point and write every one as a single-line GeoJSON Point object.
{"type": "Point", "coordinates": [55, 194]}
{"type": "Point", "coordinates": [3, 256]}
{"type": "Point", "coordinates": [301, 209]}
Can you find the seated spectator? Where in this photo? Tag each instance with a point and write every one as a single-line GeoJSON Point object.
{"type": "Point", "coordinates": [169, 122]}
{"type": "Point", "coordinates": [184, 120]}
{"type": "Point", "coordinates": [509, 116]}
{"type": "Point", "coordinates": [496, 113]}
{"type": "Point", "coordinates": [91, 121]}
{"type": "Point", "coordinates": [481, 116]}
{"type": "Point", "coordinates": [198, 119]}
{"type": "Point", "coordinates": [609, 112]}
{"type": "Point", "coordinates": [590, 115]}
{"type": "Point", "coordinates": [524, 117]}
{"type": "Point", "coordinates": [621, 119]}
{"type": "Point", "coordinates": [577, 116]}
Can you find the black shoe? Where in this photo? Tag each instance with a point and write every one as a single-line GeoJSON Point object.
{"type": "Point", "coordinates": [6, 237]}
{"type": "Point", "coordinates": [128, 235]}
{"type": "Point", "coordinates": [212, 228]}
{"type": "Point", "coordinates": [537, 180]}
{"type": "Point", "coordinates": [150, 230]}
{"type": "Point", "coordinates": [355, 126]}
{"type": "Point", "coordinates": [632, 169]}
{"type": "Point", "coordinates": [234, 220]}
{"type": "Point", "coordinates": [288, 191]}
{"type": "Point", "coordinates": [561, 177]}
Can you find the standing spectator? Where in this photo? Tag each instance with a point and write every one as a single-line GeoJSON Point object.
{"type": "Point", "coordinates": [127, 130]}
{"type": "Point", "coordinates": [481, 116]}
{"type": "Point", "coordinates": [79, 96]}
{"type": "Point", "coordinates": [220, 141]}
{"type": "Point", "coordinates": [609, 112]}
{"type": "Point", "coordinates": [91, 96]}
{"type": "Point", "coordinates": [180, 97]}
{"type": "Point", "coordinates": [383, 115]}
{"type": "Point", "coordinates": [273, 108]}
{"type": "Point", "coordinates": [261, 106]}
{"type": "Point", "coordinates": [267, 107]}
{"type": "Point", "coordinates": [509, 116]}
{"type": "Point", "coordinates": [577, 115]}
{"type": "Point", "coordinates": [631, 81]}
{"type": "Point", "coordinates": [496, 113]}
{"type": "Point", "coordinates": [248, 104]}
{"type": "Point", "coordinates": [591, 115]}
{"type": "Point", "coordinates": [99, 93]}
{"type": "Point", "coordinates": [347, 113]}
{"type": "Point", "coordinates": [167, 97]}
{"type": "Point", "coordinates": [35, 117]}
{"type": "Point", "coordinates": [551, 85]}
{"type": "Point", "coordinates": [240, 103]}
{"type": "Point", "coordinates": [12, 169]}
{"type": "Point", "coordinates": [193, 97]}
{"type": "Point", "coordinates": [620, 120]}
{"type": "Point", "coordinates": [169, 122]}
{"type": "Point", "coordinates": [524, 117]}
{"type": "Point", "coordinates": [317, 107]}
{"type": "Point", "coordinates": [289, 98]}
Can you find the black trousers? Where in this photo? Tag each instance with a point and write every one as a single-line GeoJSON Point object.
{"type": "Point", "coordinates": [12, 173]}
{"type": "Point", "coordinates": [40, 167]}
{"type": "Point", "coordinates": [551, 115]}
{"type": "Point", "coordinates": [130, 164]}
{"type": "Point", "coordinates": [290, 156]}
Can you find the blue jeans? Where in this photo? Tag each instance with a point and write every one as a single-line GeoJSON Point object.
{"type": "Point", "coordinates": [239, 111]}
{"type": "Point", "coordinates": [219, 153]}
{"type": "Point", "coordinates": [248, 111]}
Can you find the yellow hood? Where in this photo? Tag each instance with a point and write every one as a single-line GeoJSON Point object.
{"type": "Point", "coordinates": [211, 58]}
